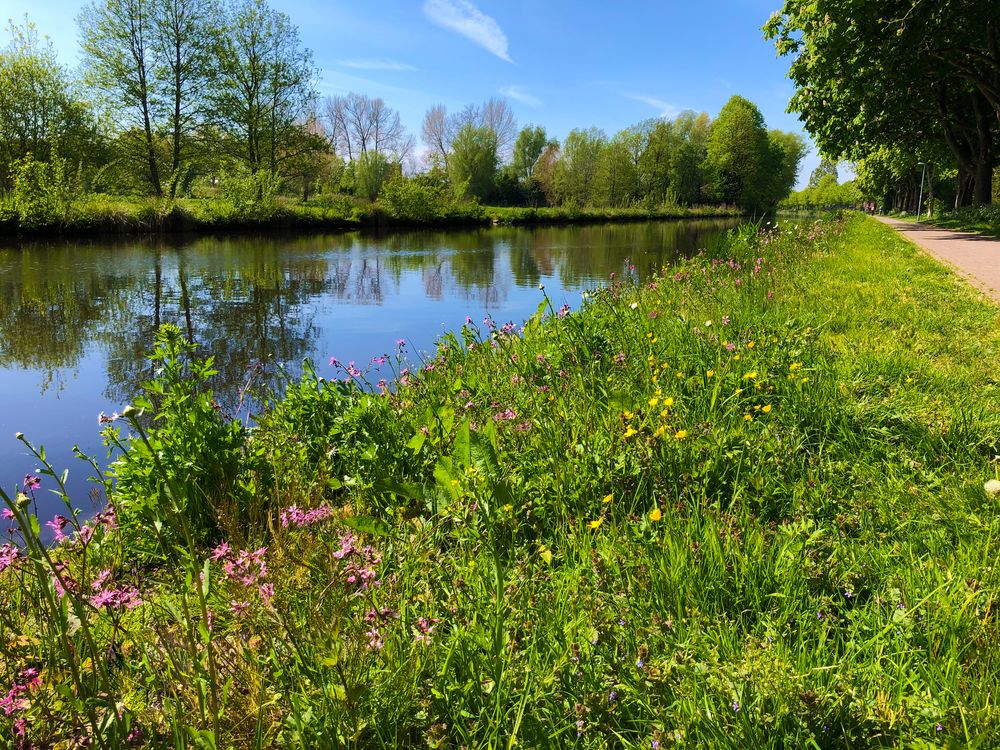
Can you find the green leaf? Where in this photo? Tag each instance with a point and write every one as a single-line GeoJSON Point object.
{"type": "Point", "coordinates": [416, 442]}
{"type": "Point", "coordinates": [463, 455]}
{"type": "Point", "coordinates": [367, 525]}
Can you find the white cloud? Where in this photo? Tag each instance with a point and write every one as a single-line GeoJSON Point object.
{"type": "Point", "coordinates": [372, 64]}
{"type": "Point", "coordinates": [519, 93]}
{"type": "Point", "coordinates": [466, 19]}
{"type": "Point", "coordinates": [666, 109]}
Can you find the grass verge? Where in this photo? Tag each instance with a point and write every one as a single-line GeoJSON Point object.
{"type": "Point", "coordinates": [742, 505]}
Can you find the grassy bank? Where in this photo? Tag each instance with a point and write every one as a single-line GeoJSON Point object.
{"type": "Point", "coordinates": [981, 220]}
{"type": "Point", "coordinates": [101, 215]}
{"type": "Point", "coordinates": [741, 506]}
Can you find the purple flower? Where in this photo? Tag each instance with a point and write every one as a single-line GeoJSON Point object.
{"type": "Point", "coordinates": [31, 482]}
{"type": "Point", "coordinates": [736, 706]}
{"type": "Point", "coordinates": [57, 524]}
{"type": "Point", "coordinates": [7, 514]}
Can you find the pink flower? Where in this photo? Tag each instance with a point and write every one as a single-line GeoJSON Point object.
{"type": "Point", "coordinates": [267, 592]}
{"type": "Point", "coordinates": [221, 551]}
{"type": "Point", "coordinates": [57, 524]}
{"type": "Point", "coordinates": [239, 608]}
{"type": "Point", "coordinates": [7, 514]}
{"type": "Point", "coordinates": [8, 554]}
{"type": "Point", "coordinates": [31, 482]}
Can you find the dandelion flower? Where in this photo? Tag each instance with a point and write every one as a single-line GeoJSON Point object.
{"type": "Point", "coordinates": [766, 409]}
{"type": "Point", "coordinates": [608, 498]}
{"type": "Point", "coordinates": [710, 374]}
{"type": "Point", "coordinates": [596, 523]}
{"type": "Point", "coordinates": [655, 514]}
{"type": "Point", "coordinates": [680, 434]}
{"type": "Point", "coordinates": [992, 488]}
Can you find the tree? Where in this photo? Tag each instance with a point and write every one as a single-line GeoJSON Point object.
{"type": "Point", "coordinates": [687, 174]}
{"type": "Point", "coordinates": [436, 134]}
{"type": "Point", "coordinates": [184, 39]}
{"type": "Point", "coordinates": [472, 166]}
{"type": "Point", "coordinates": [738, 155]}
{"type": "Point", "coordinates": [578, 165]}
{"type": "Point", "coordinates": [827, 167]}
{"type": "Point", "coordinates": [785, 152]}
{"type": "Point", "coordinates": [118, 59]}
{"type": "Point", "coordinates": [359, 124]}
{"type": "Point", "coordinates": [528, 147]}
{"type": "Point", "coordinates": [38, 111]}
{"type": "Point", "coordinates": [869, 75]}
{"type": "Point", "coordinates": [265, 88]}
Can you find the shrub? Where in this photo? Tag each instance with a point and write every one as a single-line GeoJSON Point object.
{"type": "Point", "coordinates": [252, 194]}
{"type": "Point", "coordinates": [41, 195]}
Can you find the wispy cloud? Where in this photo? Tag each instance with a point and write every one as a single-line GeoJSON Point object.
{"type": "Point", "coordinates": [666, 108]}
{"type": "Point", "coordinates": [373, 64]}
{"type": "Point", "coordinates": [519, 93]}
{"type": "Point", "coordinates": [463, 17]}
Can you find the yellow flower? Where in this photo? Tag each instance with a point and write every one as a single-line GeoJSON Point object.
{"type": "Point", "coordinates": [659, 431]}
{"type": "Point", "coordinates": [748, 418]}
{"type": "Point", "coordinates": [655, 339]}
{"type": "Point", "coordinates": [628, 414]}
{"type": "Point", "coordinates": [608, 498]}
{"type": "Point", "coordinates": [655, 514]}
{"type": "Point", "coordinates": [649, 335]}
{"type": "Point", "coordinates": [710, 374]}
{"type": "Point", "coordinates": [750, 345]}
{"type": "Point", "coordinates": [794, 366]}
{"type": "Point", "coordinates": [909, 380]}
{"type": "Point", "coordinates": [664, 413]}
{"type": "Point", "coordinates": [766, 409]}
{"type": "Point", "coordinates": [668, 402]}
{"type": "Point", "coordinates": [596, 524]}
{"type": "Point", "coordinates": [508, 508]}
{"type": "Point", "coordinates": [681, 434]}
{"type": "Point", "coordinates": [629, 432]}
{"type": "Point", "coordinates": [750, 375]}
{"type": "Point", "coordinates": [736, 357]}
{"type": "Point", "coordinates": [654, 401]}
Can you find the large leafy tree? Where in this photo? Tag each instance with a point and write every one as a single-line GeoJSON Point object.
{"type": "Point", "coordinates": [39, 112]}
{"type": "Point", "coordinates": [738, 154]}
{"type": "Point", "coordinates": [579, 162]}
{"type": "Point", "coordinates": [528, 147]}
{"type": "Point", "coordinates": [185, 40]}
{"type": "Point", "coordinates": [119, 60]}
{"type": "Point", "coordinates": [266, 83]}
{"type": "Point", "coordinates": [874, 74]}
{"type": "Point", "coordinates": [472, 165]}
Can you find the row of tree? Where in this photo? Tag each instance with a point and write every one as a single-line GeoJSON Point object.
{"type": "Point", "coordinates": [897, 86]}
{"type": "Point", "coordinates": [176, 96]}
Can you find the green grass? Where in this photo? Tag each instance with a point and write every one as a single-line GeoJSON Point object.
{"type": "Point", "coordinates": [103, 214]}
{"type": "Point", "coordinates": [699, 513]}
{"type": "Point", "coordinates": [981, 219]}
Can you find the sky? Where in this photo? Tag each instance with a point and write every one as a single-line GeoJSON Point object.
{"type": "Point", "coordinates": [562, 64]}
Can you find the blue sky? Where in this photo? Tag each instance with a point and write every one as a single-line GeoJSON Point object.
{"type": "Point", "coordinates": [561, 63]}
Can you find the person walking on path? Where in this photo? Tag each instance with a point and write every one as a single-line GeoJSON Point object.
{"type": "Point", "coordinates": [974, 256]}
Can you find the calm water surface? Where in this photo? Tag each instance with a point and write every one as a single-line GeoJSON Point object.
{"type": "Point", "coordinates": [77, 318]}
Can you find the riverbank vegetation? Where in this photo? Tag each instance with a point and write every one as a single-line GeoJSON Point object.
{"type": "Point", "coordinates": [206, 112]}
{"type": "Point", "coordinates": [908, 91]}
{"type": "Point", "coordinates": [749, 503]}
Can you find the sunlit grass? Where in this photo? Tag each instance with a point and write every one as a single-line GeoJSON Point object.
{"type": "Point", "coordinates": [741, 505]}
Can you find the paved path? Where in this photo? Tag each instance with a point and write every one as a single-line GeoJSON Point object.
{"type": "Point", "coordinates": [973, 256]}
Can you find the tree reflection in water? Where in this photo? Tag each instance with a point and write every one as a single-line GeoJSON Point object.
{"type": "Point", "coordinates": [77, 318]}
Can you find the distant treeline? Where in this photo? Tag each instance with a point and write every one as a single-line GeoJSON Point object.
{"type": "Point", "coordinates": [217, 100]}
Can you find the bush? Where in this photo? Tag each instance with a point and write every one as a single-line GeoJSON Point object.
{"type": "Point", "coordinates": [41, 195]}
{"type": "Point", "coordinates": [407, 199]}
{"type": "Point", "coordinates": [253, 195]}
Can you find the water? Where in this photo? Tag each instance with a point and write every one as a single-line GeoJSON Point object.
{"type": "Point", "coordinates": [76, 318]}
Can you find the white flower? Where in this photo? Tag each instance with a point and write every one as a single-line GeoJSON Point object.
{"type": "Point", "coordinates": [634, 305]}
{"type": "Point", "coordinates": [708, 324]}
{"type": "Point", "coordinates": [992, 488]}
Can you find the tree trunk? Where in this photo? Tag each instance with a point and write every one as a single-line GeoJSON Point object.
{"type": "Point", "coordinates": [983, 190]}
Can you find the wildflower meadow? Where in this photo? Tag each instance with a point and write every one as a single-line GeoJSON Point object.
{"type": "Point", "coordinates": [750, 503]}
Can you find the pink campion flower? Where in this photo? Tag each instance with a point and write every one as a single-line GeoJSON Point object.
{"type": "Point", "coordinates": [334, 361]}
{"type": "Point", "coordinates": [220, 552]}
{"type": "Point", "coordinates": [21, 728]}
{"type": "Point", "coordinates": [86, 533]}
{"type": "Point", "coordinates": [267, 592]}
{"type": "Point", "coordinates": [102, 577]}
{"type": "Point", "coordinates": [7, 514]}
{"type": "Point", "coordinates": [239, 608]}
{"type": "Point", "coordinates": [563, 311]}
{"type": "Point", "coordinates": [400, 343]}
{"type": "Point", "coordinates": [374, 639]}
{"type": "Point", "coordinates": [57, 524]}
{"type": "Point", "coordinates": [8, 554]}
{"type": "Point", "coordinates": [31, 482]}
